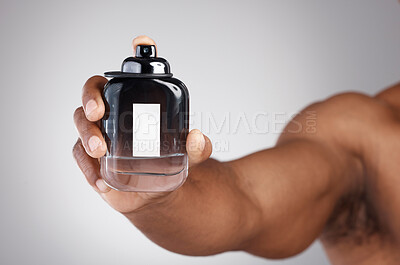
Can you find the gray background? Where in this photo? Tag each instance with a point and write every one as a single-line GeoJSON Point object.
{"type": "Point", "coordinates": [235, 57]}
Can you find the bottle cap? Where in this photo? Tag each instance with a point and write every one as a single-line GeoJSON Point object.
{"type": "Point", "coordinates": [145, 64]}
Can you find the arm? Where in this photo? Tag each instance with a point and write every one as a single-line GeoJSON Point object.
{"type": "Point", "coordinates": [273, 203]}
{"type": "Point", "coordinates": [296, 186]}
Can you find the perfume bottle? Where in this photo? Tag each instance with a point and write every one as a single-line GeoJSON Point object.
{"type": "Point", "coordinates": [145, 125]}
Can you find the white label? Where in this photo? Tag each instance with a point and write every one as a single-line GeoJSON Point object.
{"type": "Point", "coordinates": [146, 130]}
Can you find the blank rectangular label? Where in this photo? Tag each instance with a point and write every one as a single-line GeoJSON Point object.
{"type": "Point", "coordinates": [146, 130]}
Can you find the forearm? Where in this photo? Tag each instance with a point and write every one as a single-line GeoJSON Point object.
{"type": "Point", "coordinates": [209, 214]}
{"type": "Point", "coordinates": [273, 203]}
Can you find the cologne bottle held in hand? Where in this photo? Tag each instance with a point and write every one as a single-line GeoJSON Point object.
{"type": "Point", "coordinates": [145, 125]}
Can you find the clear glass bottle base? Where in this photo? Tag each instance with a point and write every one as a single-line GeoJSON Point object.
{"type": "Point", "coordinates": [145, 174]}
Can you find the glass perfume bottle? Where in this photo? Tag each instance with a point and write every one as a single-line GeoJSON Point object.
{"type": "Point", "coordinates": [145, 125]}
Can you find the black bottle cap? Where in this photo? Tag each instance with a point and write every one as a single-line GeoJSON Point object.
{"type": "Point", "coordinates": [145, 64]}
{"type": "Point", "coordinates": [146, 51]}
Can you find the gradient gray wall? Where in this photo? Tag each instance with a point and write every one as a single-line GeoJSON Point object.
{"type": "Point", "coordinates": [236, 57]}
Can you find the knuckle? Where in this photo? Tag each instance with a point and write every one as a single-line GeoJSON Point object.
{"type": "Point", "coordinates": [89, 172]}
{"type": "Point", "coordinates": [84, 163]}
{"type": "Point", "coordinates": [94, 80]}
{"type": "Point", "coordinates": [94, 77]}
{"type": "Point", "coordinates": [91, 79]}
{"type": "Point", "coordinates": [88, 129]}
{"type": "Point", "coordinates": [77, 150]}
{"type": "Point", "coordinates": [78, 113]}
{"type": "Point", "coordinates": [83, 125]}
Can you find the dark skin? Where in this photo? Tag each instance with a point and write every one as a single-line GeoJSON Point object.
{"type": "Point", "coordinates": [338, 182]}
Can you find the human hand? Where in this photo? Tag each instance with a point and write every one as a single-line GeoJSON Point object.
{"type": "Point", "coordinates": [91, 145]}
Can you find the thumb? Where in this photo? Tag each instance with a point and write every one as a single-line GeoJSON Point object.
{"type": "Point", "coordinates": [198, 146]}
{"type": "Point", "coordinates": [142, 40]}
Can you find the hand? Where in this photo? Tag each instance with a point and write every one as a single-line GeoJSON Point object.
{"type": "Point", "coordinates": [91, 145]}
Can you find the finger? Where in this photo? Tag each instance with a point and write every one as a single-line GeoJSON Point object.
{"type": "Point", "coordinates": [90, 134]}
{"type": "Point", "coordinates": [198, 146]}
{"type": "Point", "coordinates": [90, 168]}
{"type": "Point", "coordinates": [91, 98]}
{"type": "Point", "coordinates": [142, 40]}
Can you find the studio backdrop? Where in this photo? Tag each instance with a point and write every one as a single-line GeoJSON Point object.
{"type": "Point", "coordinates": [252, 63]}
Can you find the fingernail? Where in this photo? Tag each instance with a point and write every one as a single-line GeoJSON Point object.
{"type": "Point", "coordinates": [94, 143]}
{"type": "Point", "coordinates": [198, 141]}
{"type": "Point", "coordinates": [90, 106]}
{"type": "Point", "coordinates": [102, 186]}
{"type": "Point", "coordinates": [202, 142]}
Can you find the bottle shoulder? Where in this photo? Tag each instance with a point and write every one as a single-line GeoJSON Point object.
{"type": "Point", "coordinates": [123, 84]}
